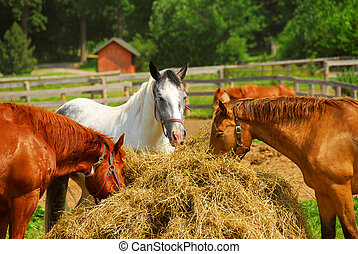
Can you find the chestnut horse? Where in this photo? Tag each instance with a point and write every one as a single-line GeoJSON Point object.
{"type": "Point", "coordinates": [38, 146]}
{"type": "Point", "coordinates": [319, 135]}
{"type": "Point", "coordinates": [252, 91]}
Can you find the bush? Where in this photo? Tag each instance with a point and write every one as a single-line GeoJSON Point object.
{"type": "Point", "coordinates": [16, 53]}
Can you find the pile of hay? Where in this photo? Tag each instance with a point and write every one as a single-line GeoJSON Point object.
{"type": "Point", "coordinates": [190, 194]}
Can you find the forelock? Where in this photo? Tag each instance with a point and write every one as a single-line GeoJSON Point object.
{"type": "Point", "coordinates": [173, 78]}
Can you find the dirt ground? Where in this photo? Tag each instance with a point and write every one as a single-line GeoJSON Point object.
{"type": "Point", "coordinates": [261, 157]}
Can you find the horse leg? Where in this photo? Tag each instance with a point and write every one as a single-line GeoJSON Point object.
{"type": "Point", "coordinates": [4, 222]}
{"type": "Point", "coordinates": [55, 201]}
{"type": "Point", "coordinates": [343, 203]}
{"type": "Point", "coordinates": [21, 210]}
{"type": "Point", "coordinates": [85, 195]}
{"type": "Point", "coordinates": [4, 218]}
{"type": "Point", "coordinates": [328, 216]}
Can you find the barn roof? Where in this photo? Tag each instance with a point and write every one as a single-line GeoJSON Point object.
{"type": "Point", "coordinates": [121, 43]}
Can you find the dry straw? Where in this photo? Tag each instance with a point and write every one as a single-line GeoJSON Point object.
{"type": "Point", "coordinates": [190, 194]}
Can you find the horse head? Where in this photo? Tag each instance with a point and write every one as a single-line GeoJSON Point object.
{"type": "Point", "coordinates": [228, 133]}
{"type": "Point", "coordinates": [222, 95]}
{"type": "Point", "coordinates": [169, 102]}
{"type": "Point", "coordinates": [106, 176]}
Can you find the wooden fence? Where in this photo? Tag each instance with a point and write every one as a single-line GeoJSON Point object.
{"type": "Point", "coordinates": [33, 90]}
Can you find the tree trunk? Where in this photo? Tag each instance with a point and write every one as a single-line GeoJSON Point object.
{"type": "Point", "coordinates": [25, 21]}
{"type": "Point", "coordinates": [83, 35]}
{"type": "Point", "coordinates": [120, 22]}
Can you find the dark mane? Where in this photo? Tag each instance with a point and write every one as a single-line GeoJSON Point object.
{"type": "Point", "coordinates": [64, 134]}
{"type": "Point", "coordinates": [280, 109]}
{"type": "Point", "coordinates": [173, 78]}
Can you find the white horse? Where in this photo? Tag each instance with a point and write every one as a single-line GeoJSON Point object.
{"type": "Point", "coordinates": [152, 118]}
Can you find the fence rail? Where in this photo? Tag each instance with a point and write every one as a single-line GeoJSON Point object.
{"type": "Point", "coordinates": [31, 88]}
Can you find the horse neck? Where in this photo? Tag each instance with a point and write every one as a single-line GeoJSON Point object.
{"type": "Point", "coordinates": [285, 138]}
{"type": "Point", "coordinates": [141, 123]}
{"type": "Point", "coordinates": [69, 140]}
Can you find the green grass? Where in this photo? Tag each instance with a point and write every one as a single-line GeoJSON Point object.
{"type": "Point", "coordinates": [310, 209]}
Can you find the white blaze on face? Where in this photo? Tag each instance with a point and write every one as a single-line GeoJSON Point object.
{"type": "Point", "coordinates": [173, 98]}
{"type": "Point", "coordinates": [171, 105]}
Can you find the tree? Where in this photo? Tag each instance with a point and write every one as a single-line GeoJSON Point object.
{"type": "Point", "coordinates": [28, 13]}
{"type": "Point", "coordinates": [321, 28]}
{"type": "Point", "coordinates": [16, 53]}
{"type": "Point", "coordinates": [185, 30]}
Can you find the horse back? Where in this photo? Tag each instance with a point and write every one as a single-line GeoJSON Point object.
{"type": "Point", "coordinates": [286, 91]}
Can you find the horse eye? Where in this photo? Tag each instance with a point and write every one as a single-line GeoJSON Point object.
{"type": "Point", "coordinates": [219, 135]}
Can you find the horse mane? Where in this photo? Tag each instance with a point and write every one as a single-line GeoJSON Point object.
{"type": "Point", "coordinates": [279, 109]}
{"type": "Point", "coordinates": [63, 133]}
{"type": "Point", "coordinates": [135, 103]}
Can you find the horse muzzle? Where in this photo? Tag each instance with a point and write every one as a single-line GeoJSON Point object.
{"type": "Point", "coordinates": [175, 133]}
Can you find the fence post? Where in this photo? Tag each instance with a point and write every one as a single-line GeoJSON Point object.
{"type": "Point", "coordinates": [326, 69]}
{"type": "Point", "coordinates": [288, 70]}
{"type": "Point", "coordinates": [263, 71]}
{"type": "Point", "coordinates": [92, 82]}
{"type": "Point", "coordinates": [326, 74]}
{"type": "Point", "coordinates": [63, 97]}
{"type": "Point", "coordinates": [104, 90]}
{"type": "Point", "coordinates": [221, 75]}
{"type": "Point", "coordinates": [339, 91]}
{"type": "Point", "coordinates": [311, 89]}
{"type": "Point", "coordinates": [27, 88]}
{"type": "Point", "coordinates": [354, 93]}
{"type": "Point", "coordinates": [186, 89]}
{"type": "Point", "coordinates": [126, 92]}
{"type": "Point", "coordinates": [296, 86]}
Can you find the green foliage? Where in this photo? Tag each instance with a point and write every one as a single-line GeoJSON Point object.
{"type": "Point", "coordinates": [29, 13]}
{"type": "Point", "coordinates": [232, 50]}
{"type": "Point", "coordinates": [16, 53]}
{"type": "Point", "coordinates": [146, 49]}
{"type": "Point", "coordinates": [199, 31]}
{"type": "Point", "coordinates": [349, 76]}
{"type": "Point", "coordinates": [321, 28]}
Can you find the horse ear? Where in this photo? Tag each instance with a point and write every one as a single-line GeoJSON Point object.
{"type": "Point", "coordinates": [154, 71]}
{"type": "Point", "coordinates": [225, 97]}
{"type": "Point", "coordinates": [182, 72]}
{"type": "Point", "coordinates": [119, 143]}
{"type": "Point", "coordinates": [222, 107]}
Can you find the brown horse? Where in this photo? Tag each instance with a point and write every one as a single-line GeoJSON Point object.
{"type": "Point", "coordinates": [319, 135]}
{"type": "Point", "coordinates": [38, 146]}
{"type": "Point", "coordinates": [252, 91]}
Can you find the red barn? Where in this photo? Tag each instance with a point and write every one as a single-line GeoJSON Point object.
{"type": "Point", "coordinates": [116, 54]}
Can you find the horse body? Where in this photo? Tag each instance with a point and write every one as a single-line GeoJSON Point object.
{"type": "Point", "coordinates": [253, 91]}
{"type": "Point", "coordinates": [319, 135]}
{"type": "Point", "coordinates": [152, 118]}
{"type": "Point", "coordinates": [39, 146]}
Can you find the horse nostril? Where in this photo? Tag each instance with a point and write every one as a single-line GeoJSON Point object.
{"type": "Point", "coordinates": [174, 137]}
